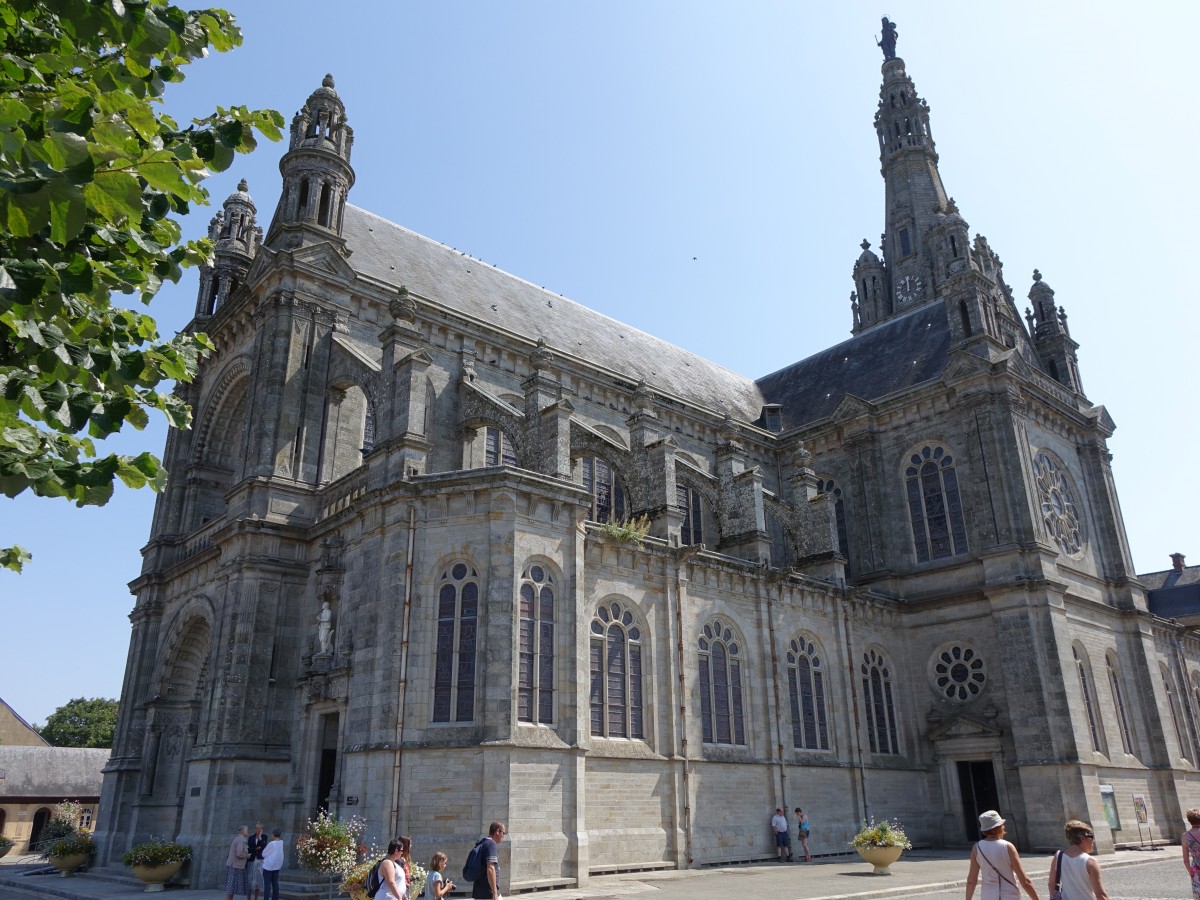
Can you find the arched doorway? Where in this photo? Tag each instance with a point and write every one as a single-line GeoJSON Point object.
{"type": "Point", "coordinates": [40, 818]}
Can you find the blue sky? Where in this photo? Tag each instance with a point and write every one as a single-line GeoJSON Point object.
{"type": "Point", "coordinates": [705, 172]}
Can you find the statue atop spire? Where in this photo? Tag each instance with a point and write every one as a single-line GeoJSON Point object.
{"type": "Point", "coordinates": [888, 41]}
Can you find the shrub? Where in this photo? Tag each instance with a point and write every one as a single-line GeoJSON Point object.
{"type": "Point", "coordinates": [631, 531]}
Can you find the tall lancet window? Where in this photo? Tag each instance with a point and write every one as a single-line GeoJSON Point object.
{"type": "Point", "coordinates": [616, 670]}
{"type": "Point", "coordinates": [934, 506]}
{"type": "Point", "coordinates": [721, 686]}
{"type": "Point", "coordinates": [457, 631]}
{"type": "Point", "coordinates": [880, 704]}
{"type": "Point", "coordinates": [535, 686]}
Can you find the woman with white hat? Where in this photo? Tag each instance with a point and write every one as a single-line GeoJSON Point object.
{"type": "Point", "coordinates": [999, 863]}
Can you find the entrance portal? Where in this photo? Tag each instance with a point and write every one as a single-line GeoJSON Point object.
{"type": "Point", "coordinates": [977, 781]}
{"type": "Point", "coordinates": [327, 771]}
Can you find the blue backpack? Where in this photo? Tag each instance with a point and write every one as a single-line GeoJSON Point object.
{"type": "Point", "coordinates": [374, 882]}
{"type": "Point", "coordinates": [475, 866]}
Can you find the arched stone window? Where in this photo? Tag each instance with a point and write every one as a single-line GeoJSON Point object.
{"type": "Point", "coordinates": [880, 704]}
{"type": "Point", "coordinates": [600, 479]}
{"type": "Point", "coordinates": [721, 685]}
{"type": "Point", "coordinates": [616, 668]}
{"type": "Point", "coordinates": [457, 631]}
{"type": "Point", "coordinates": [1173, 706]}
{"type": "Point", "coordinates": [1082, 667]}
{"type": "Point", "coordinates": [934, 507]}
{"type": "Point", "coordinates": [535, 683]}
{"type": "Point", "coordinates": [688, 499]}
{"type": "Point", "coordinates": [806, 688]}
{"type": "Point", "coordinates": [345, 440]}
{"type": "Point", "coordinates": [1114, 681]}
{"type": "Point", "coordinates": [498, 449]}
{"type": "Point", "coordinates": [831, 487]}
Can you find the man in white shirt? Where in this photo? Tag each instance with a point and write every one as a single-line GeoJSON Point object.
{"type": "Point", "coordinates": [272, 862]}
{"type": "Point", "coordinates": [783, 834]}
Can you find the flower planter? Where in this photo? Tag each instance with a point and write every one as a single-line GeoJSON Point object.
{"type": "Point", "coordinates": [68, 863]}
{"type": "Point", "coordinates": [880, 857]}
{"type": "Point", "coordinates": [4, 850]}
{"type": "Point", "coordinates": [156, 877]}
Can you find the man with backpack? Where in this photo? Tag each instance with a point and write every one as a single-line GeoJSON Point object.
{"type": "Point", "coordinates": [482, 867]}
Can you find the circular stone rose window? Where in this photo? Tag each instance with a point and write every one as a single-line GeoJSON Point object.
{"type": "Point", "coordinates": [957, 672]}
{"type": "Point", "coordinates": [1056, 493]}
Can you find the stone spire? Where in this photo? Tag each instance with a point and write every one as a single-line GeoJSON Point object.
{"type": "Point", "coordinates": [914, 195]}
{"type": "Point", "coordinates": [235, 234]}
{"type": "Point", "coordinates": [316, 170]}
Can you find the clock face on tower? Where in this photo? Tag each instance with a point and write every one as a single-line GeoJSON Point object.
{"type": "Point", "coordinates": [908, 288]}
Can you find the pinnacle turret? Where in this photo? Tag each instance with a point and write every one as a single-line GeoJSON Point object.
{"type": "Point", "coordinates": [316, 170]}
{"type": "Point", "coordinates": [236, 235]}
{"type": "Point", "coordinates": [1051, 337]}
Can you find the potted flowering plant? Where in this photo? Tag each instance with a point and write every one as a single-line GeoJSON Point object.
{"type": "Point", "coordinates": [880, 844]}
{"type": "Point", "coordinates": [6, 844]}
{"type": "Point", "coordinates": [155, 861]}
{"type": "Point", "coordinates": [69, 853]}
{"type": "Point", "coordinates": [355, 882]}
{"type": "Point", "coordinates": [330, 844]}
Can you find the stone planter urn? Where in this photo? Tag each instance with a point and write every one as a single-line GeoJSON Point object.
{"type": "Point", "coordinates": [156, 877]}
{"type": "Point", "coordinates": [880, 857]}
{"type": "Point", "coordinates": [68, 863]}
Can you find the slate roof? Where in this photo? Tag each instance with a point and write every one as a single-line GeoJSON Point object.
{"type": "Point", "coordinates": [1171, 578]}
{"type": "Point", "coordinates": [53, 773]}
{"type": "Point", "coordinates": [395, 255]}
{"type": "Point", "coordinates": [895, 354]}
{"type": "Point", "coordinates": [1175, 603]}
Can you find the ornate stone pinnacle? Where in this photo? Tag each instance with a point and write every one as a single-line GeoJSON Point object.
{"type": "Point", "coordinates": [1037, 276]}
{"type": "Point", "coordinates": [327, 81]}
{"type": "Point", "coordinates": [866, 245]}
{"type": "Point", "coordinates": [402, 307]}
{"type": "Point", "coordinates": [540, 356]}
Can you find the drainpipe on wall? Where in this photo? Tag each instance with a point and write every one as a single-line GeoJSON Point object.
{"type": "Point", "coordinates": [403, 688]}
{"type": "Point", "coordinates": [683, 555]}
{"type": "Point", "coordinates": [765, 611]}
{"type": "Point", "coordinates": [862, 769]}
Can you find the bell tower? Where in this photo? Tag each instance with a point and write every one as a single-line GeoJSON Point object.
{"type": "Point", "coordinates": [316, 171]}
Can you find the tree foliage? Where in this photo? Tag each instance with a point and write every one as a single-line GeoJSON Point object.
{"type": "Point", "coordinates": [92, 176]}
{"type": "Point", "coordinates": [82, 723]}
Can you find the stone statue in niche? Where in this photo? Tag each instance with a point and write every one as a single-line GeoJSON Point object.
{"type": "Point", "coordinates": [325, 628]}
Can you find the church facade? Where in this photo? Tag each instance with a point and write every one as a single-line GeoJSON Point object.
{"type": "Point", "coordinates": [443, 547]}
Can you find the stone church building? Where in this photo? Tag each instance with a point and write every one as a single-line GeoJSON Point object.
{"type": "Point", "coordinates": [397, 572]}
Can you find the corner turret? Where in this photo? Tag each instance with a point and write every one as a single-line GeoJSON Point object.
{"type": "Point", "coordinates": [1051, 337]}
{"type": "Point", "coordinates": [316, 170]}
{"type": "Point", "coordinates": [236, 236]}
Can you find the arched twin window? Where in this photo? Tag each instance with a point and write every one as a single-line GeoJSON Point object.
{"type": "Point", "coordinates": [457, 631]}
{"type": "Point", "coordinates": [688, 500]}
{"type": "Point", "coordinates": [1085, 688]}
{"type": "Point", "coordinates": [880, 705]}
{"type": "Point", "coordinates": [934, 506]}
{"type": "Point", "coordinates": [806, 687]}
{"type": "Point", "coordinates": [721, 685]}
{"type": "Point", "coordinates": [535, 685]}
{"type": "Point", "coordinates": [608, 495]}
{"type": "Point", "coordinates": [1114, 681]}
{"type": "Point", "coordinates": [616, 669]}
{"type": "Point", "coordinates": [498, 449]}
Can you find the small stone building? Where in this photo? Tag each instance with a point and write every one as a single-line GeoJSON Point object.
{"type": "Point", "coordinates": [396, 571]}
{"type": "Point", "coordinates": [34, 778]}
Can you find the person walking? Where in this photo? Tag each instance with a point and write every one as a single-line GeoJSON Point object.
{"type": "Point", "coordinates": [436, 885]}
{"type": "Point", "coordinates": [235, 864]}
{"type": "Point", "coordinates": [1074, 869]}
{"type": "Point", "coordinates": [272, 862]}
{"type": "Point", "coordinates": [391, 872]}
{"type": "Point", "coordinates": [803, 832]}
{"type": "Point", "coordinates": [998, 862]}
{"type": "Point", "coordinates": [487, 886]}
{"type": "Point", "coordinates": [254, 865]}
{"type": "Point", "coordinates": [1191, 850]}
{"type": "Point", "coordinates": [783, 834]}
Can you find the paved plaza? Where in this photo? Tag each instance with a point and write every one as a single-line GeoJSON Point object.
{"type": "Point", "coordinates": [919, 875]}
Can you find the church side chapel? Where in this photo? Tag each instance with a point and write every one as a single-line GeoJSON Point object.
{"type": "Point", "coordinates": [444, 547]}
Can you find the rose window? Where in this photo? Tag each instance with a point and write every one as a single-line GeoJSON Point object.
{"type": "Point", "coordinates": [1059, 510]}
{"type": "Point", "coordinates": [958, 672]}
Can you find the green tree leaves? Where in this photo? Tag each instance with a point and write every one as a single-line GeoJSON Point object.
{"type": "Point", "coordinates": [82, 723]}
{"type": "Point", "coordinates": [92, 174]}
